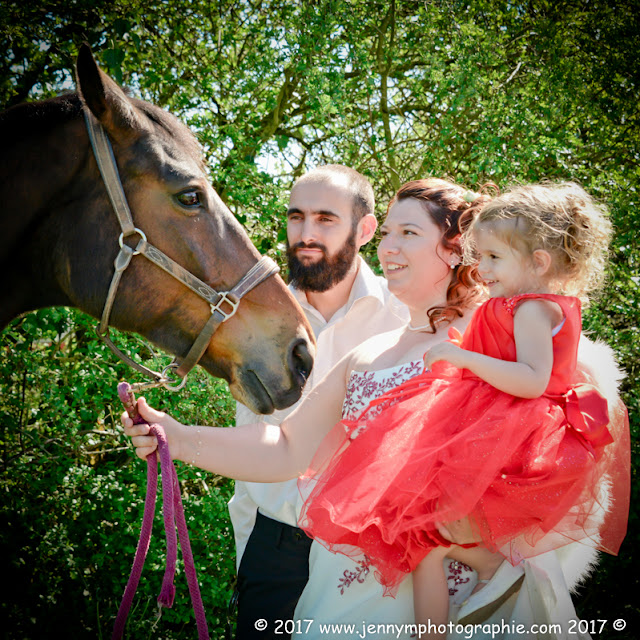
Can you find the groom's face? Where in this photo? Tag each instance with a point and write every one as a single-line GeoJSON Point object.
{"type": "Point", "coordinates": [321, 235]}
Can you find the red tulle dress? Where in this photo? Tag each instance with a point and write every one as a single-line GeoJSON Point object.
{"type": "Point", "coordinates": [530, 474]}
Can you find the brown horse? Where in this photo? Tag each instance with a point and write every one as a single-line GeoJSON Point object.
{"type": "Point", "coordinates": [60, 237]}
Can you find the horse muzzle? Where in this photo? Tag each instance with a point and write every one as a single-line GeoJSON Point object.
{"type": "Point", "coordinates": [263, 390]}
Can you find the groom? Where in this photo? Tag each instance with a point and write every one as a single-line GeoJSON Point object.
{"type": "Point", "coordinates": [330, 216]}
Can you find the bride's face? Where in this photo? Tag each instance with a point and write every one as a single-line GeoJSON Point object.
{"type": "Point", "coordinates": [415, 263]}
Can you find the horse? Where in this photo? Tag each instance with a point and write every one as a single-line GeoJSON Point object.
{"type": "Point", "coordinates": [60, 240]}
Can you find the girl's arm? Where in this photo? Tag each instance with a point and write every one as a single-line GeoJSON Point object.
{"type": "Point", "coordinates": [256, 452]}
{"type": "Point", "coordinates": [528, 377]}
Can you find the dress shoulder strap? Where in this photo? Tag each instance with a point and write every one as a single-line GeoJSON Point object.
{"type": "Point", "coordinates": [568, 304]}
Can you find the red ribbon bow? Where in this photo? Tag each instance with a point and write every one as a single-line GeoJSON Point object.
{"type": "Point", "coordinates": [588, 414]}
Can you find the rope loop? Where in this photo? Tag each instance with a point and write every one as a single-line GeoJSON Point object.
{"type": "Point", "coordinates": [173, 511]}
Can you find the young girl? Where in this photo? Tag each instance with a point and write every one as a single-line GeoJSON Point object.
{"type": "Point", "coordinates": [507, 444]}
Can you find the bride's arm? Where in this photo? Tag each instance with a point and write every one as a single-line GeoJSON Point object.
{"type": "Point", "coordinates": [256, 452]}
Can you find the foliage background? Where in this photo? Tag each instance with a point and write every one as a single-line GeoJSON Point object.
{"type": "Point", "coordinates": [482, 90]}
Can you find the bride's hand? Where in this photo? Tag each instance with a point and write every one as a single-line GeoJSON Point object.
{"type": "Point", "coordinates": [141, 438]}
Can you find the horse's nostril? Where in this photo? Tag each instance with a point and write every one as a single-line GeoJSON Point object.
{"type": "Point", "coordinates": [301, 360]}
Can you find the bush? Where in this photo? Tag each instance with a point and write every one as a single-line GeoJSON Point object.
{"type": "Point", "coordinates": [72, 492]}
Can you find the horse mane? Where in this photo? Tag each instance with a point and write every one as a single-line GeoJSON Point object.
{"type": "Point", "coordinates": [41, 114]}
{"type": "Point", "coordinates": [28, 117]}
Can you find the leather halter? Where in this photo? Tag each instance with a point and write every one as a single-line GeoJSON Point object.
{"type": "Point", "coordinates": [218, 301]}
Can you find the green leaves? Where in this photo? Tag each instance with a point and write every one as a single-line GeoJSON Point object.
{"type": "Point", "coordinates": [113, 59]}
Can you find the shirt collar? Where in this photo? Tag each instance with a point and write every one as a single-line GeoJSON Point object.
{"type": "Point", "coordinates": [367, 284]}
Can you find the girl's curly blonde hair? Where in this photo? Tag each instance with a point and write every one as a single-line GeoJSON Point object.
{"type": "Point", "coordinates": [560, 218]}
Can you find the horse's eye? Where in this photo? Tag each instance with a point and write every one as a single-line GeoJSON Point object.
{"type": "Point", "coordinates": [189, 199]}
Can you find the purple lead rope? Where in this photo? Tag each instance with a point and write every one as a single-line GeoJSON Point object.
{"type": "Point", "coordinates": [173, 518]}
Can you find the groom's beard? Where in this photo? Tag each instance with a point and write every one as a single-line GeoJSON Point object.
{"type": "Point", "coordinates": [325, 273]}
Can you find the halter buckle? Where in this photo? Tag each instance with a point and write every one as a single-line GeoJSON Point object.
{"type": "Point", "coordinates": [231, 300]}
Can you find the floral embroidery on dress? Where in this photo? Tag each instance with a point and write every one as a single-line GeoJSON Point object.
{"type": "Point", "coordinates": [455, 577]}
{"type": "Point", "coordinates": [363, 567]}
{"type": "Point", "coordinates": [364, 386]}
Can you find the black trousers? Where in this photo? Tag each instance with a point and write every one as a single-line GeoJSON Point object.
{"type": "Point", "coordinates": [273, 573]}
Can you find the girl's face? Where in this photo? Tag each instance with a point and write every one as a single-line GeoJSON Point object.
{"type": "Point", "coordinates": [505, 271]}
{"type": "Point", "coordinates": [415, 263]}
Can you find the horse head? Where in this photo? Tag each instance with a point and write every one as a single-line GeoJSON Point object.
{"type": "Point", "coordinates": [264, 351]}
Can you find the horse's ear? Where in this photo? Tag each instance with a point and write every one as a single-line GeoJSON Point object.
{"type": "Point", "coordinates": [106, 100]}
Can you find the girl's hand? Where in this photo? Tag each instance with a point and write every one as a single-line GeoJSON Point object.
{"type": "Point", "coordinates": [145, 442]}
{"type": "Point", "coordinates": [444, 351]}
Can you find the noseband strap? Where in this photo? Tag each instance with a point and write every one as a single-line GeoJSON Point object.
{"type": "Point", "coordinates": [223, 304]}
